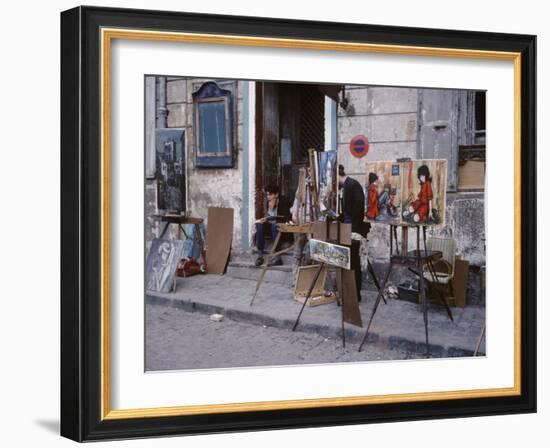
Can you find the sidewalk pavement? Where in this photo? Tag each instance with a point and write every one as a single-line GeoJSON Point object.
{"type": "Point", "coordinates": [396, 325]}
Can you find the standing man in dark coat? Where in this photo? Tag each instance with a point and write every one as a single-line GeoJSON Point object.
{"type": "Point", "coordinates": [353, 211]}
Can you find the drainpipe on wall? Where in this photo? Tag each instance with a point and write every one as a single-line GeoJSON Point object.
{"type": "Point", "coordinates": [162, 111]}
{"type": "Point", "coordinates": [161, 114]}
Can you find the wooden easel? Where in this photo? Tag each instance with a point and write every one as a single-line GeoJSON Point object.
{"type": "Point", "coordinates": [339, 283]}
{"type": "Point", "coordinates": [479, 341]}
{"type": "Point", "coordinates": [281, 228]}
{"type": "Point", "coordinates": [417, 258]}
{"type": "Point", "coordinates": [306, 190]}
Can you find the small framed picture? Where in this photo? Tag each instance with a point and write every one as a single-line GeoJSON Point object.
{"type": "Point", "coordinates": [207, 160]}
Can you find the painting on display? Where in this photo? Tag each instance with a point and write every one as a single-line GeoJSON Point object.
{"type": "Point", "coordinates": [171, 178]}
{"type": "Point", "coordinates": [302, 209]}
{"type": "Point", "coordinates": [424, 192]}
{"type": "Point", "coordinates": [328, 183]}
{"type": "Point", "coordinates": [406, 193]}
{"type": "Point", "coordinates": [383, 192]}
{"type": "Point", "coordinates": [329, 253]}
{"type": "Point", "coordinates": [161, 264]}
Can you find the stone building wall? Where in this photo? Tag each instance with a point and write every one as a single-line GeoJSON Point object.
{"type": "Point", "coordinates": [389, 118]}
{"type": "Point", "coordinates": [208, 187]}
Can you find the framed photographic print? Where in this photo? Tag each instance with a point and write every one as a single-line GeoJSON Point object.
{"type": "Point", "coordinates": [199, 152]}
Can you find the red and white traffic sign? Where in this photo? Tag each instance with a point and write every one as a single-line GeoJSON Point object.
{"type": "Point", "coordinates": [359, 146]}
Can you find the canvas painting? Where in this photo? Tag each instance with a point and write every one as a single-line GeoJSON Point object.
{"type": "Point", "coordinates": [329, 253]}
{"type": "Point", "coordinates": [161, 265]}
{"type": "Point", "coordinates": [328, 183]}
{"type": "Point", "coordinates": [383, 192]}
{"type": "Point", "coordinates": [424, 188]}
{"type": "Point", "coordinates": [170, 160]}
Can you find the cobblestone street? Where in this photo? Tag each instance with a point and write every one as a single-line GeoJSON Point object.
{"type": "Point", "coordinates": [179, 332]}
{"type": "Point", "coordinates": [178, 339]}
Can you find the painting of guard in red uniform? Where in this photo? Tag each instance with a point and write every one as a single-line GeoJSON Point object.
{"type": "Point", "coordinates": [424, 187]}
{"type": "Point", "coordinates": [383, 192]}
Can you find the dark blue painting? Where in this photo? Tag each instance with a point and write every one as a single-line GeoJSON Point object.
{"type": "Point", "coordinates": [170, 162]}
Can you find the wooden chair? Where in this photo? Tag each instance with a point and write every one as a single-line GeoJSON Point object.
{"type": "Point", "coordinates": [441, 279]}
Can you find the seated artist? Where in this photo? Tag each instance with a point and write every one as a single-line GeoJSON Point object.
{"type": "Point", "coordinates": [276, 210]}
{"type": "Point", "coordinates": [353, 209]}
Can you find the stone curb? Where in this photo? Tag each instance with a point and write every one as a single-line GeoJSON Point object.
{"type": "Point", "coordinates": [353, 334]}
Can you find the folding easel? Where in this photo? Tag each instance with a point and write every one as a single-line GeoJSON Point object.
{"type": "Point", "coordinates": [339, 283]}
{"type": "Point", "coordinates": [307, 191]}
{"type": "Point", "coordinates": [417, 258]}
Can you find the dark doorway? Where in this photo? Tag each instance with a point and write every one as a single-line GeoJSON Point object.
{"type": "Point", "coordinates": [290, 119]}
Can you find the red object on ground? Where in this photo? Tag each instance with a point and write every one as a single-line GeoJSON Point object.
{"type": "Point", "coordinates": [188, 267]}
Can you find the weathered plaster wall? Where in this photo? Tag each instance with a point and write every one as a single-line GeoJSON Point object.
{"type": "Point", "coordinates": [206, 187]}
{"type": "Point", "coordinates": [389, 118]}
{"type": "Point", "coordinates": [466, 224]}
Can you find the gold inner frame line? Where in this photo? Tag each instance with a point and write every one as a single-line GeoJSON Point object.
{"type": "Point", "coordinates": [107, 35]}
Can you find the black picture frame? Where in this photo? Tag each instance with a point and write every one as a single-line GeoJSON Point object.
{"type": "Point", "coordinates": [81, 224]}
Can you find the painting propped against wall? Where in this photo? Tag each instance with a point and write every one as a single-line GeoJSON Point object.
{"type": "Point", "coordinates": [406, 193]}
{"type": "Point", "coordinates": [161, 264]}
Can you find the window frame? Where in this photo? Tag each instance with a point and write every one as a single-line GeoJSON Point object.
{"type": "Point", "coordinates": [210, 92]}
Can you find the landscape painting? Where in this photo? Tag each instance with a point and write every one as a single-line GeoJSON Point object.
{"type": "Point", "coordinates": [332, 254]}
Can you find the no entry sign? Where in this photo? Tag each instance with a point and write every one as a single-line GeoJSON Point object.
{"type": "Point", "coordinates": [359, 146]}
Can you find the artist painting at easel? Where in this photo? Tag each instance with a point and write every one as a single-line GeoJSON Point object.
{"type": "Point", "coordinates": [276, 210]}
{"type": "Point", "coordinates": [353, 210]}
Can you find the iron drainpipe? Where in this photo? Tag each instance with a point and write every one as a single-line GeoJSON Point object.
{"type": "Point", "coordinates": [162, 111]}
